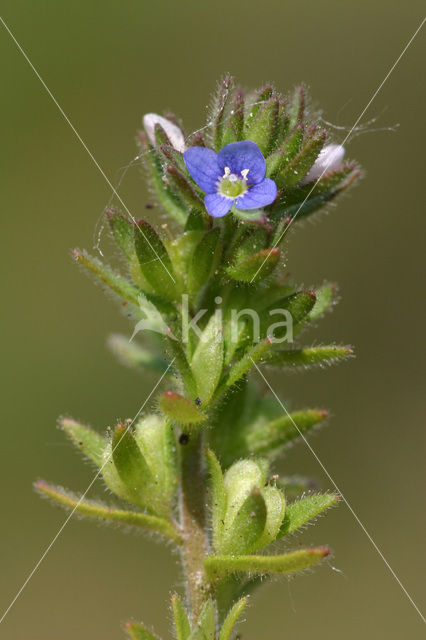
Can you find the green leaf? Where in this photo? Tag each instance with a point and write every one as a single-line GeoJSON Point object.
{"type": "Point", "coordinates": [154, 260]}
{"type": "Point", "coordinates": [310, 356]}
{"type": "Point", "coordinates": [232, 618]}
{"type": "Point", "coordinates": [167, 199]}
{"type": "Point", "coordinates": [91, 443]}
{"type": "Point", "coordinates": [261, 128]}
{"type": "Point", "coordinates": [299, 166]}
{"type": "Point", "coordinates": [207, 361]}
{"type": "Point", "coordinates": [182, 626]}
{"type": "Point", "coordinates": [218, 567]}
{"type": "Point", "coordinates": [116, 283]}
{"type": "Point", "coordinates": [156, 440]}
{"type": "Point", "coordinates": [325, 299]}
{"type": "Point", "coordinates": [182, 187]}
{"type": "Point", "coordinates": [97, 511]}
{"type": "Point", "coordinates": [180, 409]}
{"type": "Point", "coordinates": [182, 248]}
{"type": "Point", "coordinates": [133, 355]}
{"type": "Point", "coordinates": [218, 496]}
{"type": "Point", "coordinates": [298, 306]}
{"type": "Point", "coordinates": [279, 159]}
{"type": "Point", "coordinates": [300, 512]}
{"type": "Point", "coordinates": [244, 365]}
{"type": "Point", "coordinates": [138, 632]}
{"type": "Point", "coordinates": [207, 620]}
{"type": "Point", "coordinates": [270, 437]}
{"type": "Point", "coordinates": [246, 528]}
{"type": "Point", "coordinates": [297, 107]}
{"type": "Point", "coordinates": [294, 485]}
{"type": "Point", "coordinates": [122, 231]}
{"type": "Point", "coordinates": [204, 261]}
{"type": "Point", "coordinates": [131, 465]}
{"type": "Point", "coordinates": [256, 267]}
{"type": "Point", "coordinates": [181, 363]}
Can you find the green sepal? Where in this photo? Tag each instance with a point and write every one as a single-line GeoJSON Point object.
{"type": "Point", "coordinates": [231, 619]}
{"type": "Point", "coordinates": [255, 102]}
{"type": "Point", "coordinates": [156, 440]}
{"type": "Point", "coordinates": [297, 107]}
{"type": "Point", "coordinates": [279, 159]}
{"type": "Point", "coordinates": [180, 409]}
{"type": "Point", "coordinates": [98, 511]}
{"type": "Point", "coordinates": [91, 443]}
{"type": "Point", "coordinates": [181, 364]}
{"type": "Point", "coordinates": [197, 221]}
{"type": "Point", "coordinates": [298, 305]}
{"type": "Point", "coordinates": [325, 300]}
{"type": "Point", "coordinates": [207, 361]}
{"type": "Point", "coordinates": [136, 631]}
{"type": "Point", "coordinates": [219, 108]}
{"type": "Point", "coordinates": [309, 198]}
{"type": "Point", "coordinates": [302, 511]}
{"type": "Point", "coordinates": [236, 118]}
{"type": "Point", "coordinates": [174, 157]}
{"type": "Point", "coordinates": [167, 199]}
{"type": "Point", "coordinates": [308, 357]}
{"type": "Point", "coordinates": [256, 267]}
{"type": "Point", "coordinates": [204, 261]}
{"type": "Point", "coordinates": [243, 366]}
{"type": "Point", "coordinates": [254, 510]}
{"type": "Point", "coordinates": [269, 438]}
{"type": "Point", "coordinates": [131, 465]}
{"type": "Point", "coordinates": [299, 166]}
{"type": "Point", "coordinates": [181, 250]}
{"type": "Point", "coordinates": [122, 231]}
{"type": "Point", "coordinates": [154, 260]}
{"type": "Point", "coordinates": [133, 355]}
{"type": "Point", "coordinates": [207, 620]}
{"type": "Point", "coordinates": [260, 129]}
{"type": "Point", "coordinates": [182, 626]}
{"type": "Point", "coordinates": [116, 283]}
{"type": "Point", "coordinates": [218, 496]}
{"type": "Point", "coordinates": [183, 188]}
{"type": "Point", "coordinates": [218, 567]}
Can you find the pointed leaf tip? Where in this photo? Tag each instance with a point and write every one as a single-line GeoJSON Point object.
{"type": "Point", "coordinates": [180, 409]}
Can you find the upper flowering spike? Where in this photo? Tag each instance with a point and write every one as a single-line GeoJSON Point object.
{"type": "Point", "coordinates": [235, 175]}
{"type": "Point", "coordinates": [173, 132]}
{"type": "Point", "coordinates": [329, 159]}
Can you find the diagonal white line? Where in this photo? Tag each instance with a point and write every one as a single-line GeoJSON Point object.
{"type": "Point", "coordinates": [340, 493]}
{"type": "Point", "coordinates": [107, 459]}
{"type": "Point", "coordinates": [343, 142]}
{"type": "Point", "coordinates": [92, 157]}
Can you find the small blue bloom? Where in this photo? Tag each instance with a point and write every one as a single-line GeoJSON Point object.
{"type": "Point", "coordinates": [235, 175]}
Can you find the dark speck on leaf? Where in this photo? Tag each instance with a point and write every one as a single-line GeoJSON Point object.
{"type": "Point", "coordinates": [184, 438]}
{"type": "Point", "coordinates": [198, 402]}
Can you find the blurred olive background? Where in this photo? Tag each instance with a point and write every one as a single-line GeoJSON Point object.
{"type": "Point", "coordinates": [108, 63]}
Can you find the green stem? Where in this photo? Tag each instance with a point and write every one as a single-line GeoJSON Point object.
{"type": "Point", "coordinates": [193, 521]}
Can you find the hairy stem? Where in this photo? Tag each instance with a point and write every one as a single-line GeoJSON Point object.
{"type": "Point", "coordinates": [193, 521]}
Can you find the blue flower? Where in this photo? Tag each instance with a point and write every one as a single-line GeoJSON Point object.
{"type": "Point", "coordinates": [235, 175]}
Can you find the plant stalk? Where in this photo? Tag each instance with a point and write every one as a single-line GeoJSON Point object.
{"type": "Point", "coordinates": [193, 522]}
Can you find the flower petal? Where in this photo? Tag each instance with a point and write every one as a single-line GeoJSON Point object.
{"type": "Point", "coordinates": [243, 155]}
{"type": "Point", "coordinates": [258, 196]}
{"type": "Point", "coordinates": [203, 167]}
{"type": "Point", "coordinates": [330, 158]}
{"type": "Point", "coordinates": [217, 205]}
{"type": "Point", "coordinates": [173, 132]}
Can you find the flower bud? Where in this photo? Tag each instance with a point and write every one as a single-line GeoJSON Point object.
{"type": "Point", "coordinates": [173, 132]}
{"type": "Point", "coordinates": [329, 159]}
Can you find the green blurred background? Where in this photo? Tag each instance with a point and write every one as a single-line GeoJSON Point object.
{"type": "Point", "coordinates": [108, 63]}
